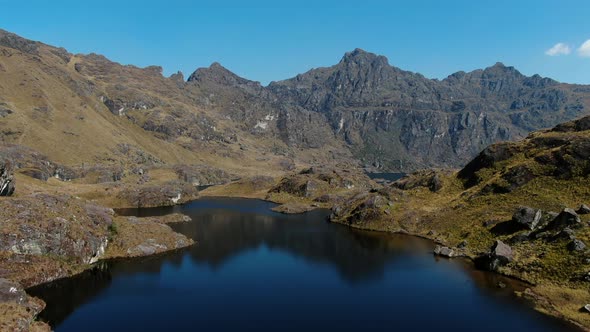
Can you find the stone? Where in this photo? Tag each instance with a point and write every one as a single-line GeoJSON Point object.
{"type": "Point", "coordinates": [583, 209]}
{"type": "Point", "coordinates": [586, 308]}
{"type": "Point", "coordinates": [502, 251]}
{"type": "Point", "coordinates": [11, 292]}
{"type": "Point", "coordinates": [500, 254]}
{"type": "Point", "coordinates": [527, 217]}
{"type": "Point", "coordinates": [444, 251]}
{"type": "Point", "coordinates": [566, 234]}
{"type": "Point", "coordinates": [6, 178]}
{"type": "Point", "coordinates": [462, 244]}
{"type": "Point", "coordinates": [576, 245]}
{"type": "Point", "coordinates": [567, 217]}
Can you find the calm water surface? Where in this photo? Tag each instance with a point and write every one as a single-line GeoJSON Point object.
{"type": "Point", "coordinates": [256, 270]}
{"type": "Point", "coordinates": [386, 177]}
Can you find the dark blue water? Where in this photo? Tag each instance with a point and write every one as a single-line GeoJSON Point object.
{"type": "Point", "coordinates": [256, 270]}
{"type": "Point", "coordinates": [386, 177]}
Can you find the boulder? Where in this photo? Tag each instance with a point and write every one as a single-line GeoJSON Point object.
{"type": "Point", "coordinates": [586, 308]}
{"type": "Point", "coordinates": [444, 251]}
{"type": "Point", "coordinates": [566, 234]}
{"type": "Point", "coordinates": [567, 217]}
{"type": "Point", "coordinates": [6, 178]}
{"type": "Point", "coordinates": [576, 245]}
{"type": "Point", "coordinates": [527, 217]}
{"type": "Point", "coordinates": [502, 251]}
{"type": "Point", "coordinates": [500, 254]}
{"type": "Point", "coordinates": [584, 209]}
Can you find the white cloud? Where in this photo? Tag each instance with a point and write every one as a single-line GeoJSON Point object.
{"type": "Point", "coordinates": [584, 50]}
{"type": "Point", "coordinates": [560, 49]}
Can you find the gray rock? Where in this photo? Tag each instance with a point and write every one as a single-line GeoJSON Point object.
{"type": "Point", "coordinates": [444, 251]}
{"type": "Point", "coordinates": [576, 245]}
{"type": "Point", "coordinates": [500, 254]}
{"type": "Point", "coordinates": [586, 308]}
{"type": "Point", "coordinates": [566, 234]}
{"type": "Point", "coordinates": [11, 292]}
{"type": "Point", "coordinates": [502, 251]}
{"type": "Point", "coordinates": [567, 217]}
{"type": "Point", "coordinates": [527, 217]}
{"type": "Point", "coordinates": [584, 209]}
{"type": "Point", "coordinates": [6, 178]}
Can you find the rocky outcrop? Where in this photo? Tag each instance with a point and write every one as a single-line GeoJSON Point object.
{"type": "Point", "coordinates": [314, 182]}
{"type": "Point", "coordinates": [293, 208]}
{"type": "Point", "coordinates": [361, 208]}
{"type": "Point", "coordinates": [6, 178]}
{"type": "Point", "coordinates": [16, 42]}
{"type": "Point", "coordinates": [18, 310]}
{"type": "Point", "coordinates": [61, 226]}
{"type": "Point", "coordinates": [29, 162]}
{"type": "Point", "coordinates": [146, 236]}
{"type": "Point", "coordinates": [428, 178]}
{"type": "Point", "coordinates": [202, 175]}
{"type": "Point", "coordinates": [166, 194]}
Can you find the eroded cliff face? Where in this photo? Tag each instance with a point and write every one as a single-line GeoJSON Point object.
{"type": "Point", "coordinates": [400, 120]}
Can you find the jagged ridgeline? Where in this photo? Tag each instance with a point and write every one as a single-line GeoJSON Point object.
{"type": "Point", "coordinates": [361, 110]}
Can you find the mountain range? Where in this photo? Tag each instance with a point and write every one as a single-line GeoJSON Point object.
{"type": "Point", "coordinates": [362, 111]}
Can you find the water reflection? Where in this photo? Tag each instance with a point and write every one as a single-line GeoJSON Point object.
{"type": "Point", "coordinates": [250, 263]}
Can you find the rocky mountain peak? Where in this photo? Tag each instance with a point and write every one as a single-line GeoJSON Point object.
{"type": "Point", "coordinates": [499, 70]}
{"type": "Point", "coordinates": [218, 74]}
{"type": "Point", "coordinates": [361, 57]}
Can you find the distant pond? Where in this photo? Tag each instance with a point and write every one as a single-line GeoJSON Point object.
{"type": "Point", "coordinates": [257, 270]}
{"type": "Point", "coordinates": [386, 177]}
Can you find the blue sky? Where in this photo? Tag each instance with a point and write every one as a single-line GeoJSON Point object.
{"type": "Point", "coordinates": [274, 40]}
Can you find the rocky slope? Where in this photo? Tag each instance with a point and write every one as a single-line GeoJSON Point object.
{"type": "Point", "coordinates": [84, 109]}
{"type": "Point", "coordinates": [404, 121]}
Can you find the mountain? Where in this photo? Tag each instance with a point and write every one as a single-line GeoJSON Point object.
{"type": "Point", "coordinates": [78, 109]}
{"type": "Point", "coordinates": [401, 120]}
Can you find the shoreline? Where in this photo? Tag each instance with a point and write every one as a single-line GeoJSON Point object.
{"type": "Point", "coordinates": [538, 302]}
